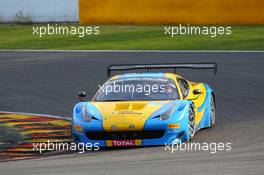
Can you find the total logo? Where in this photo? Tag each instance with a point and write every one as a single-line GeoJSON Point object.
{"type": "Point", "coordinates": [123, 143]}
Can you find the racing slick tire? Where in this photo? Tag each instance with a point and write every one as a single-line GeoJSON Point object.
{"type": "Point", "coordinates": [191, 125]}
{"type": "Point", "coordinates": [212, 111]}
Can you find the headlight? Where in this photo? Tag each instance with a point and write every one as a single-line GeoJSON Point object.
{"type": "Point", "coordinates": [166, 115]}
{"type": "Point", "coordinates": [86, 117]}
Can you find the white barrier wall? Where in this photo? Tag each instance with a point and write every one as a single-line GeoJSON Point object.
{"type": "Point", "coordinates": [39, 11]}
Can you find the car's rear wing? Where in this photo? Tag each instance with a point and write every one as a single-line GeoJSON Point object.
{"type": "Point", "coordinates": [174, 66]}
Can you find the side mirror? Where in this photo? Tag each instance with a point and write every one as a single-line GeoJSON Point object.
{"type": "Point", "coordinates": [197, 92]}
{"type": "Point", "coordinates": [82, 96]}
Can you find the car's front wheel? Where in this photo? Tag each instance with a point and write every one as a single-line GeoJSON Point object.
{"type": "Point", "coordinates": [191, 123]}
{"type": "Point", "coordinates": [212, 112]}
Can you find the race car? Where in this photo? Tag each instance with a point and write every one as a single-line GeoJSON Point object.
{"type": "Point", "coordinates": [145, 108]}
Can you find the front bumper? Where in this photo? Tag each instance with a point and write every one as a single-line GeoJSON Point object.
{"type": "Point", "coordinates": [130, 138]}
{"type": "Point", "coordinates": [154, 133]}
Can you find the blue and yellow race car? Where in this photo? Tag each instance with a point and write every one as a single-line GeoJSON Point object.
{"type": "Point", "coordinates": [145, 109]}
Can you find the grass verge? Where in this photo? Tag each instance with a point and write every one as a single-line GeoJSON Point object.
{"type": "Point", "coordinates": [131, 38]}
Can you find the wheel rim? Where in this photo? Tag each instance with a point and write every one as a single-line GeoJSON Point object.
{"type": "Point", "coordinates": [212, 114]}
{"type": "Point", "coordinates": [191, 124]}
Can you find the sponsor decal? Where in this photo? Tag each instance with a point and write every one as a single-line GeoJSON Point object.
{"type": "Point", "coordinates": [123, 143]}
{"type": "Point", "coordinates": [129, 112]}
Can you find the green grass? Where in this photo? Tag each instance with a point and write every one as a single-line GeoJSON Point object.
{"type": "Point", "coordinates": [132, 38]}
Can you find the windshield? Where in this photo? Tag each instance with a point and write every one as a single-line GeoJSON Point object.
{"type": "Point", "coordinates": [137, 89]}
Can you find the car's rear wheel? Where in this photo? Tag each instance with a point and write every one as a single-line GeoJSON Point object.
{"type": "Point", "coordinates": [191, 123]}
{"type": "Point", "coordinates": [212, 112]}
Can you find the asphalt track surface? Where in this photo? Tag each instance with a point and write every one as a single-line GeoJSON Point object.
{"type": "Point", "coordinates": [48, 83]}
